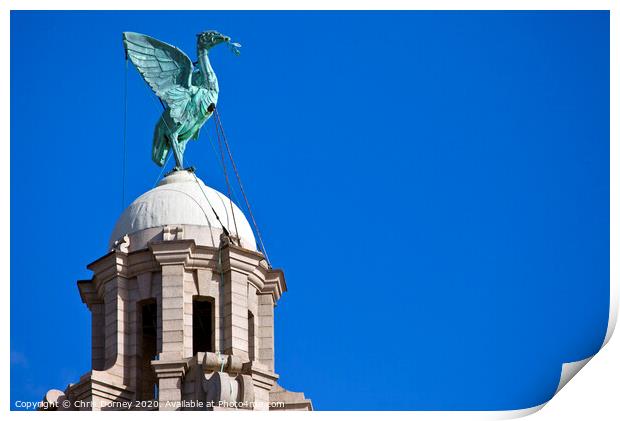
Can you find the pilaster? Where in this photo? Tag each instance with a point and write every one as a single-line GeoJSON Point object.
{"type": "Point", "coordinates": [110, 303]}
{"type": "Point", "coordinates": [265, 332]}
{"type": "Point", "coordinates": [235, 270]}
{"type": "Point", "coordinates": [88, 293]}
{"type": "Point", "coordinates": [170, 377]}
{"type": "Point", "coordinates": [172, 256]}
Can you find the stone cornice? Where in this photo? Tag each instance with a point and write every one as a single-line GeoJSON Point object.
{"type": "Point", "coordinates": [100, 384]}
{"type": "Point", "coordinates": [112, 265]}
{"type": "Point", "coordinates": [115, 263]}
{"type": "Point", "coordinates": [254, 266]}
{"type": "Point", "coordinates": [261, 375]}
{"type": "Point", "coordinates": [203, 257]}
{"type": "Point", "coordinates": [239, 259]}
{"type": "Point", "coordinates": [275, 284]}
{"type": "Point", "coordinates": [268, 281]}
{"type": "Point", "coordinates": [185, 252]}
{"type": "Point", "coordinates": [174, 252]}
{"type": "Point", "coordinates": [226, 243]}
{"type": "Point", "coordinates": [170, 368]}
{"type": "Point", "coordinates": [88, 293]}
{"type": "Point", "coordinates": [128, 265]}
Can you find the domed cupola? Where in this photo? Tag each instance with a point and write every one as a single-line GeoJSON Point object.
{"type": "Point", "coordinates": [182, 199]}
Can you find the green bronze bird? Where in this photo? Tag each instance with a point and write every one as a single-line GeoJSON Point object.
{"type": "Point", "coordinates": [189, 95]}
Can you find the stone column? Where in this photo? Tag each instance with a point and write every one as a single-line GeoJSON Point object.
{"type": "Point", "coordinates": [90, 297]}
{"type": "Point", "coordinates": [172, 312]}
{"type": "Point", "coordinates": [97, 335]}
{"type": "Point", "coordinates": [172, 255]}
{"type": "Point", "coordinates": [170, 376]}
{"type": "Point", "coordinates": [234, 308]}
{"type": "Point", "coordinates": [115, 303]}
{"type": "Point", "coordinates": [111, 283]}
{"type": "Point", "coordinates": [265, 330]}
{"type": "Point", "coordinates": [263, 380]}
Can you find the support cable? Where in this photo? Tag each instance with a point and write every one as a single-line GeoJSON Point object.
{"type": "Point", "coordinates": [162, 170]}
{"type": "Point", "coordinates": [232, 209]}
{"type": "Point", "coordinates": [247, 202]}
{"type": "Point", "coordinates": [209, 138]}
{"type": "Point", "coordinates": [125, 132]}
{"type": "Point", "coordinates": [211, 206]}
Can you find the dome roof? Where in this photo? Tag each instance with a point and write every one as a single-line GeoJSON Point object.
{"type": "Point", "coordinates": [183, 199]}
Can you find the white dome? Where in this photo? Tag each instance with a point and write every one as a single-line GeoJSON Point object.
{"type": "Point", "coordinates": [179, 199]}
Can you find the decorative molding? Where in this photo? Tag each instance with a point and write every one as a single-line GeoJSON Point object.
{"type": "Point", "coordinates": [115, 263]}
{"type": "Point", "coordinates": [213, 361]}
{"type": "Point", "coordinates": [262, 377]}
{"type": "Point", "coordinates": [172, 252]}
{"type": "Point", "coordinates": [88, 293]}
{"type": "Point", "coordinates": [170, 368]}
{"type": "Point", "coordinates": [98, 384]}
{"type": "Point", "coordinates": [173, 232]}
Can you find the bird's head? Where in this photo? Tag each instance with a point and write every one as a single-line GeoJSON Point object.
{"type": "Point", "coordinates": [209, 39]}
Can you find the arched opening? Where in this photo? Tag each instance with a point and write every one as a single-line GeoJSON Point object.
{"type": "Point", "coordinates": [202, 324]}
{"type": "Point", "coordinates": [147, 348]}
{"type": "Point", "coordinates": [251, 336]}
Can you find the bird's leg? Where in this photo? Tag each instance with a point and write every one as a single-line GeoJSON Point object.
{"type": "Point", "coordinates": [178, 156]}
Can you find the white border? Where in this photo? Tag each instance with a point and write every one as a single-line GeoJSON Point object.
{"type": "Point", "coordinates": [568, 369]}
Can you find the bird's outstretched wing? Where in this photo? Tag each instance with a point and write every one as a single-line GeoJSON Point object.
{"type": "Point", "coordinates": [165, 68]}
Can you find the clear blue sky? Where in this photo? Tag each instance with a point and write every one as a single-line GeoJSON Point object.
{"type": "Point", "coordinates": [435, 186]}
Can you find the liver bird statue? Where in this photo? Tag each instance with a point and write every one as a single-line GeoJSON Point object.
{"type": "Point", "coordinates": [189, 95]}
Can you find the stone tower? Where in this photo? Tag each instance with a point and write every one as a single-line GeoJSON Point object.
{"type": "Point", "coordinates": [182, 310]}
